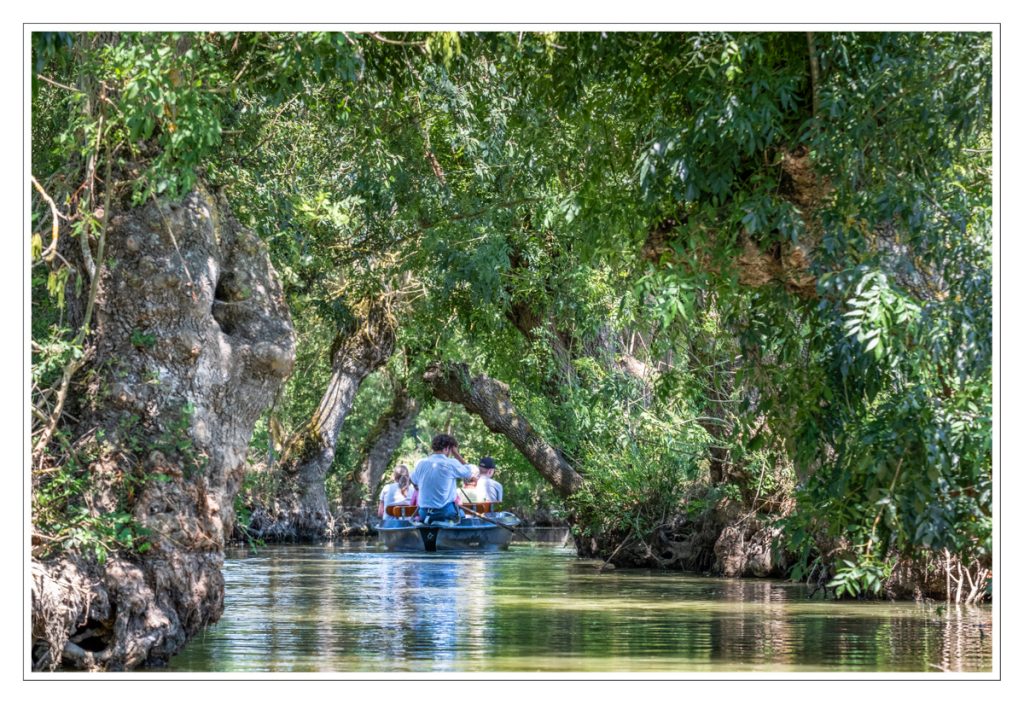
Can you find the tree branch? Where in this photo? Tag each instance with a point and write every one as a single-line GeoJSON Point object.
{"type": "Point", "coordinates": [75, 364]}
{"type": "Point", "coordinates": [815, 75]}
{"type": "Point", "coordinates": [55, 84]}
{"type": "Point", "coordinates": [489, 400]}
{"type": "Point", "coordinates": [395, 42]}
{"type": "Point", "coordinates": [49, 252]}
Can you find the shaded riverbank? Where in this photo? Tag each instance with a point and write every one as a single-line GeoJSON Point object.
{"type": "Point", "coordinates": [358, 523]}
{"type": "Point", "coordinates": [352, 608]}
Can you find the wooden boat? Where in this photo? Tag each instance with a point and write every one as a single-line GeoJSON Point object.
{"type": "Point", "coordinates": [399, 532]}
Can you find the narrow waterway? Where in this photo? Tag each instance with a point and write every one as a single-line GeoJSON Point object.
{"type": "Point", "coordinates": [354, 608]}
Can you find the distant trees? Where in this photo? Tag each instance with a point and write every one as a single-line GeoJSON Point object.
{"type": "Point", "coordinates": [309, 452]}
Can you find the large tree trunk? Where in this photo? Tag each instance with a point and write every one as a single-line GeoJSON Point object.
{"type": "Point", "coordinates": [191, 341]}
{"type": "Point", "coordinates": [489, 399]}
{"type": "Point", "coordinates": [303, 512]}
{"type": "Point", "coordinates": [380, 447]}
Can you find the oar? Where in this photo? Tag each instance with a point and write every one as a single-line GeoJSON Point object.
{"type": "Point", "coordinates": [490, 520]}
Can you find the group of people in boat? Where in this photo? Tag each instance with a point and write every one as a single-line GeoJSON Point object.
{"type": "Point", "coordinates": [432, 486]}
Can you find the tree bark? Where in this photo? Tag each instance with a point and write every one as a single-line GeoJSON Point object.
{"type": "Point", "coordinates": [380, 447]}
{"type": "Point", "coordinates": [716, 422]}
{"type": "Point", "coordinates": [192, 339]}
{"type": "Point", "coordinates": [303, 512]}
{"type": "Point", "coordinates": [489, 399]}
{"type": "Point", "coordinates": [812, 53]}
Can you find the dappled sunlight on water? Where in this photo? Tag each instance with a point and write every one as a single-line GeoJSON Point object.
{"type": "Point", "coordinates": [539, 609]}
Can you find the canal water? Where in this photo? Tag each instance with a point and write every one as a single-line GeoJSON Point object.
{"type": "Point", "coordinates": [538, 608]}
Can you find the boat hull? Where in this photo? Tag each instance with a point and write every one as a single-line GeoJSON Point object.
{"type": "Point", "coordinates": [469, 534]}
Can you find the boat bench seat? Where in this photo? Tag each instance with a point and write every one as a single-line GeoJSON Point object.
{"type": "Point", "coordinates": [399, 511]}
{"type": "Point", "coordinates": [482, 506]}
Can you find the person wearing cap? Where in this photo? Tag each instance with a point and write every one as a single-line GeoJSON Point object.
{"type": "Point", "coordinates": [486, 488]}
{"type": "Point", "coordinates": [435, 476]}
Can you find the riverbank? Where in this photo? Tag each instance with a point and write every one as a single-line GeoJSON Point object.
{"type": "Point", "coordinates": [724, 540]}
{"type": "Point", "coordinates": [354, 522]}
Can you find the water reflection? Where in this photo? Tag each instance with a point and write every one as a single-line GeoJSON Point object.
{"type": "Point", "coordinates": [435, 609]}
{"type": "Point", "coordinates": [962, 628]}
{"type": "Point", "coordinates": [758, 630]}
{"type": "Point", "coordinates": [538, 609]}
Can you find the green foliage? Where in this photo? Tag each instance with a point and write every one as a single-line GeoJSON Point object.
{"type": "Point", "coordinates": [64, 517]}
{"type": "Point", "coordinates": [549, 166]}
{"type": "Point", "coordinates": [50, 355]}
{"type": "Point", "coordinates": [862, 382]}
{"type": "Point", "coordinates": [551, 204]}
{"type": "Point", "coordinates": [167, 101]}
{"type": "Point", "coordinates": [859, 579]}
{"type": "Point", "coordinates": [142, 340]}
{"type": "Point", "coordinates": [637, 456]}
{"type": "Point", "coordinates": [83, 497]}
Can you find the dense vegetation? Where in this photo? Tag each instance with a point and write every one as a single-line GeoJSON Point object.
{"type": "Point", "coordinates": [713, 269]}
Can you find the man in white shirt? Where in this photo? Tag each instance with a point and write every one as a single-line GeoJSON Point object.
{"type": "Point", "coordinates": [486, 488]}
{"type": "Point", "coordinates": [435, 477]}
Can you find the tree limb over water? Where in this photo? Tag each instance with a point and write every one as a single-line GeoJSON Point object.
{"type": "Point", "coordinates": [490, 400]}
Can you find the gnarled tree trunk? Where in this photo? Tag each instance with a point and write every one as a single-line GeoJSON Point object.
{"type": "Point", "coordinates": [303, 512]}
{"type": "Point", "coordinates": [380, 447]}
{"type": "Point", "coordinates": [191, 340]}
{"type": "Point", "coordinates": [489, 399]}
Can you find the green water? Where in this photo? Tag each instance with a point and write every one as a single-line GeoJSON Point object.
{"type": "Point", "coordinates": [535, 608]}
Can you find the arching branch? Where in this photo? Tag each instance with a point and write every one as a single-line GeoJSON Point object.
{"type": "Point", "coordinates": [489, 399]}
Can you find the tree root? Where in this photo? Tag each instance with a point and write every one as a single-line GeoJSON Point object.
{"type": "Point", "coordinates": [61, 600]}
{"type": "Point", "coordinates": [976, 576]}
{"type": "Point", "coordinates": [86, 660]}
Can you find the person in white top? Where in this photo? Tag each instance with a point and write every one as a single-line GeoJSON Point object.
{"type": "Point", "coordinates": [468, 489]}
{"type": "Point", "coordinates": [486, 488]}
{"type": "Point", "coordinates": [398, 492]}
